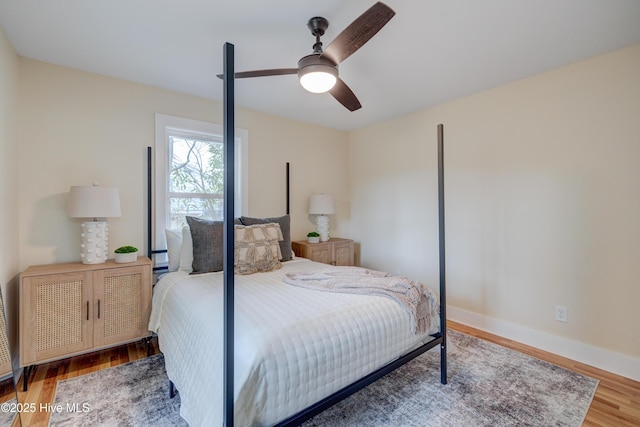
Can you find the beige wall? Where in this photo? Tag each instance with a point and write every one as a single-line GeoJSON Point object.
{"type": "Point", "coordinates": [542, 199]}
{"type": "Point", "coordinates": [9, 267]}
{"type": "Point", "coordinates": [77, 128]}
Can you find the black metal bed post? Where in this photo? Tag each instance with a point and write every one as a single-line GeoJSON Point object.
{"type": "Point", "coordinates": [149, 207]}
{"type": "Point", "coordinates": [443, 293]}
{"type": "Point", "coordinates": [288, 195]}
{"type": "Point", "coordinates": [229, 175]}
{"type": "Point", "coordinates": [150, 250]}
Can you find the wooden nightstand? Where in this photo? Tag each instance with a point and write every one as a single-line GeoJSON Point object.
{"type": "Point", "coordinates": [335, 251]}
{"type": "Point", "coordinates": [74, 308]}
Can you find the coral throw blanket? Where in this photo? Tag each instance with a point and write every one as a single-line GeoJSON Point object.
{"type": "Point", "coordinates": [417, 299]}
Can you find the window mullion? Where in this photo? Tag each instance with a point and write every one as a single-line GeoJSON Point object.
{"type": "Point", "coordinates": [195, 195]}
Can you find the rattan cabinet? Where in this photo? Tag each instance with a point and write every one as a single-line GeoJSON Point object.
{"type": "Point", "coordinates": [335, 251]}
{"type": "Point", "coordinates": [74, 308]}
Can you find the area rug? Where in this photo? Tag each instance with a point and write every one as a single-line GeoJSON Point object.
{"type": "Point", "coordinates": [489, 385]}
{"type": "Point", "coordinates": [132, 394]}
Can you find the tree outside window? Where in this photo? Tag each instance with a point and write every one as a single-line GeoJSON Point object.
{"type": "Point", "coordinates": [196, 175]}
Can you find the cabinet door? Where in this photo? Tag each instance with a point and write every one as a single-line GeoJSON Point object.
{"type": "Point", "coordinates": [343, 253]}
{"type": "Point", "coordinates": [321, 253]}
{"type": "Point", "coordinates": [122, 304]}
{"type": "Point", "coordinates": [5, 356]}
{"type": "Point", "coordinates": [55, 315]}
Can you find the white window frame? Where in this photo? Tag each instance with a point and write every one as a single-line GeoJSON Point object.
{"type": "Point", "coordinates": [164, 124]}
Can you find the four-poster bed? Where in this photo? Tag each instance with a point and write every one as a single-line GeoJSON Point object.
{"type": "Point", "coordinates": [299, 351]}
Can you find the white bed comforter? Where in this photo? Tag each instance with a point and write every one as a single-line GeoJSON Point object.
{"type": "Point", "coordinates": [293, 346]}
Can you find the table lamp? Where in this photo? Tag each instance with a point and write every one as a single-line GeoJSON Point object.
{"type": "Point", "coordinates": [322, 205]}
{"type": "Point", "coordinates": [97, 203]}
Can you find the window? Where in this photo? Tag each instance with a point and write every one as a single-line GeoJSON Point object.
{"type": "Point", "coordinates": [190, 171]}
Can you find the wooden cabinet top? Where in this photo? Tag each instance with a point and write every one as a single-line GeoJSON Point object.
{"type": "Point", "coordinates": [38, 270]}
{"type": "Point", "coordinates": [331, 240]}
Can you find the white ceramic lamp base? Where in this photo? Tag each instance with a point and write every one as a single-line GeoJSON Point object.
{"type": "Point", "coordinates": [322, 225]}
{"type": "Point", "coordinates": [94, 242]}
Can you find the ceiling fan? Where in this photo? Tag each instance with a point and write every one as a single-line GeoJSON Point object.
{"type": "Point", "coordinates": [318, 72]}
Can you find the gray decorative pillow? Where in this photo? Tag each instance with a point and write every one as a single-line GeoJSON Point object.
{"type": "Point", "coordinates": [207, 244]}
{"type": "Point", "coordinates": [257, 248]}
{"type": "Point", "coordinates": [285, 225]}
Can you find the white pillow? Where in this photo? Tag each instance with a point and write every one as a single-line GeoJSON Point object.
{"type": "Point", "coordinates": [186, 256]}
{"type": "Point", "coordinates": [174, 248]}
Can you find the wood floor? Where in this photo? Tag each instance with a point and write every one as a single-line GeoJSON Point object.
{"type": "Point", "coordinates": [616, 402]}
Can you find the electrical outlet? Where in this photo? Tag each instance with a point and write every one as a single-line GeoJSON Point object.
{"type": "Point", "coordinates": [561, 314]}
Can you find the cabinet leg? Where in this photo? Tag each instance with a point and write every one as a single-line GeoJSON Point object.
{"type": "Point", "coordinates": [147, 342]}
{"type": "Point", "coordinates": [26, 373]}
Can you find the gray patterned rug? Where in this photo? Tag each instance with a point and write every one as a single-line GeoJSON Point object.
{"type": "Point", "coordinates": [132, 394]}
{"type": "Point", "coordinates": [489, 385]}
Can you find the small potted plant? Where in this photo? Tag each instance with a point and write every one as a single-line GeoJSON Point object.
{"type": "Point", "coordinates": [313, 237]}
{"type": "Point", "coordinates": [126, 254]}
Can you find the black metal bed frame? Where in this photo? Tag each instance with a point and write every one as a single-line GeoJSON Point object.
{"type": "Point", "coordinates": [229, 142]}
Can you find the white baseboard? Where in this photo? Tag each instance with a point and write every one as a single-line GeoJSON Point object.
{"type": "Point", "coordinates": [616, 363]}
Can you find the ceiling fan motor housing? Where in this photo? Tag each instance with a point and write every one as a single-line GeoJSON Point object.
{"type": "Point", "coordinates": [315, 60]}
{"type": "Point", "coordinates": [322, 71]}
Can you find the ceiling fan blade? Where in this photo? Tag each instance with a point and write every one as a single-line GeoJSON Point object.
{"type": "Point", "coordinates": [358, 32]}
{"type": "Point", "coordinates": [345, 96]}
{"type": "Point", "coordinates": [264, 73]}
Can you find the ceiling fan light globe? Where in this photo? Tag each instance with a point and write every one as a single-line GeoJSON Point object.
{"type": "Point", "coordinates": [318, 82]}
{"type": "Point", "coordinates": [318, 78]}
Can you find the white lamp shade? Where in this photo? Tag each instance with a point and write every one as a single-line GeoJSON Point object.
{"type": "Point", "coordinates": [322, 204]}
{"type": "Point", "coordinates": [93, 201]}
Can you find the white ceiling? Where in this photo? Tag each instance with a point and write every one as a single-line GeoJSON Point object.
{"type": "Point", "coordinates": [431, 52]}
